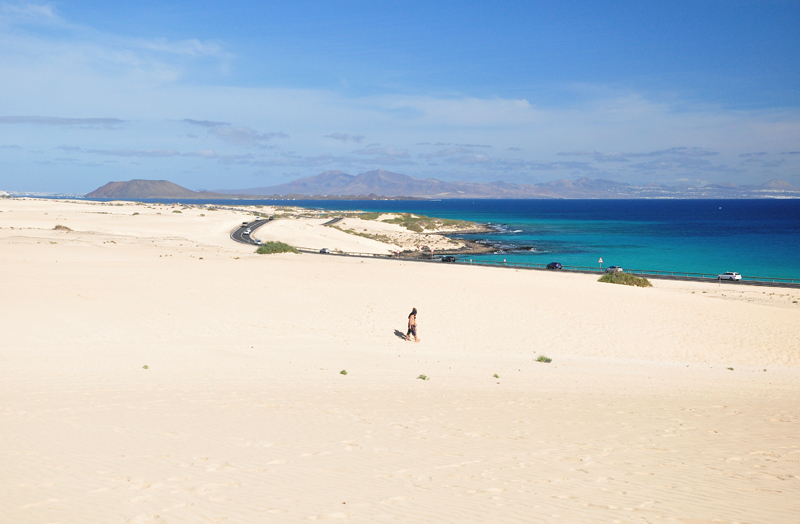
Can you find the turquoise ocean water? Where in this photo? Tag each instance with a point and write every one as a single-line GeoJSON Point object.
{"type": "Point", "coordinates": [752, 237]}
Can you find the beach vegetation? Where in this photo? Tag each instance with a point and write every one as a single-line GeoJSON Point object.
{"type": "Point", "coordinates": [730, 369]}
{"type": "Point", "coordinates": [423, 377]}
{"type": "Point", "coordinates": [270, 248]}
{"type": "Point", "coordinates": [496, 375]}
{"type": "Point", "coordinates": [61, 227]}
{"type": "Point", "coordinates": [145, 367]}
{"type": "Point", "coordinates": [343, 372]}
{"type": "Point", "coordinates": [369, 216]}
{"type": "Point", "coordinates": [544, 359]}
{"type": "Point", "coordinates": [420, 223]}
{"type": "Point", "coordinates": [626, 279]}
{"type": "Point", "coordinates": [380, 238]}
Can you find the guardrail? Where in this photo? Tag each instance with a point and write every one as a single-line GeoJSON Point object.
{"type": "Point", "coordinates": [586, 269]}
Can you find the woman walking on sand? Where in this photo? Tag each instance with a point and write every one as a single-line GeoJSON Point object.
{"type": "Point", "coordinates": [412, 325]}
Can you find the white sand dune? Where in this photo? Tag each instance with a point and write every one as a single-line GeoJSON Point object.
{"type": "Point", "coordinates": [243, 416]}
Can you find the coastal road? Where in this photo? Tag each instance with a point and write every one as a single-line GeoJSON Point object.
{"type": "Point", "coordinates": [239, 236]}
{"type": "Point", "coordinates": [464, 261]}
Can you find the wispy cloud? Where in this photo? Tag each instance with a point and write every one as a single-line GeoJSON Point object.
{"type": "Point", "coordinates": [760, 162]}
{"type": "Point", "coordinates": [244, 136]}
{"type": "Point", "coordinates": [676, 151]}
{"type": "Point", "coordinates": [621, 157]}
{"type": "Point", "coordinates": [598, 156]}
{"type": "Point", "coordinates": [138, 153]}
{"type": "Point", "coordinates": [388, 155]}
{"type": "Point", "coordinates": [210, 154]}
{"type": "Point", "coordinates": [449, 152]}
{"type": "Point", "coordinates": [388, 151]}
{"type": "Point", "coordinates": [760, 153]}
{"type": "Point", "coordinates": [345, 137]}
{"type": "Point", "coordinates": [190, 47]}
{"type": "Point", "coordinates": [22, 13]}
{"type": "Point", "coordinates": [205, 123]}
{"type": "Point", "coordinates": [59, 121]}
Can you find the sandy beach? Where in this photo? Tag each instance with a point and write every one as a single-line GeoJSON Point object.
{"type": "Point", "coordinates": [154, 371]}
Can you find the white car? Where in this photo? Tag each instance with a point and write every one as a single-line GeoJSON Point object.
{"type": "Point", "coordinates": [246, 232]}
{"type": "Point", "coordinates": [730, 275]}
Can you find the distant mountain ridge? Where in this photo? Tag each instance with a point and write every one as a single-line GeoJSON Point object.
{"type": "Point", "coordinates": [386, 184]}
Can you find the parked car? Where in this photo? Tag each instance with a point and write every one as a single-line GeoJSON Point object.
{"type": "Point", "coordinates": [730, 275]}
{"type": "Point", "coordinates": [448, 258]}
{"type": "Point", "coordinates": [325, 251]}
{"type": "Point", "coordinates": [613, 269]}
{"type": "Point", "coordinates": [554, 265]}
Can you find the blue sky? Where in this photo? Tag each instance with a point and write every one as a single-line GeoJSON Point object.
{"type": "Point", "coordinates": [211, 95]}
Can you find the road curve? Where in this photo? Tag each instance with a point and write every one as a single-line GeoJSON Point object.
{"type": "Point", "coordinates": [239, 236]}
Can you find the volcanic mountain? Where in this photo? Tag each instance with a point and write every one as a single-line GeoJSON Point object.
{"type": "Point", "coordinates": [138, 189]}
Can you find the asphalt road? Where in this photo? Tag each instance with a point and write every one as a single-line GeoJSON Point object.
{"type": "Point", "coordinates": [239, 236]}
{"type": "Point", "coordinates": [460, 260]}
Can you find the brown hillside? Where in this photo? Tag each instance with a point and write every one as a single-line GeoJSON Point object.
{"type": "Point", "coordinates": [136, 189]}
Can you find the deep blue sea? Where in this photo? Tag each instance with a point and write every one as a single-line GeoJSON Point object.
{"type": "Point", "coordinates": [752, 237]}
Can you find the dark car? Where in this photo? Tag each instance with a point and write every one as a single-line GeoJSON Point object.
{"type": "Point", "coordinates": [554, 265]}
{"type": "Point", "coordinates": [448, 259]}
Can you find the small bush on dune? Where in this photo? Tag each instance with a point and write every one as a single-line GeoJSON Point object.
{"type": "Point", "coordinates": [544, 359]}
{"type": "Point", "coordinates": [59, 227]}
{"type": "Point", "coordinates": [269, 248]}
{"type": "Point", "coordinates": [625, 279]}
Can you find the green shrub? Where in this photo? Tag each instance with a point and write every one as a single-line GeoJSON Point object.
{"type": "Point", "coordinates": [269, 248]}
{"type": "Point", "coordinates": [176, 211]}
{"type": "Point", "coordinates": [544, 359]}
{"type": "Point", "coordinates": [625, 279]}
{"type": "Point", "coordinates": [496, 375]}
{"type": "Point", "coordinates": [423, 377]}
{"type": "Point", "coordinates": [343, 372]}
{"type": "Point", "coordinates": [419, 223]}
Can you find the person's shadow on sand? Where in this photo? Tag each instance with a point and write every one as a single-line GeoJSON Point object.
{"type": "Point", "coordinates": [400, 334]}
